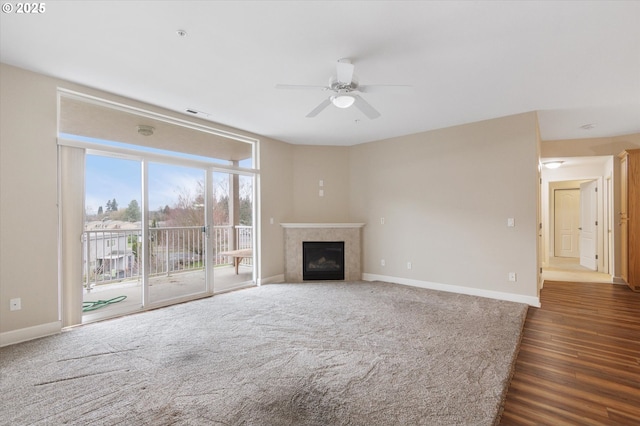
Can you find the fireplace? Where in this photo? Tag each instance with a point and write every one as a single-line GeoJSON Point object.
{"type": "Point", "coordinates": [322, 260]}
{"type": "Point", "coordinates": [297, 233]}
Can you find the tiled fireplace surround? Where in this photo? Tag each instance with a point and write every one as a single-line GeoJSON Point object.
{"type": "Point", "coordinates": [296, 233]}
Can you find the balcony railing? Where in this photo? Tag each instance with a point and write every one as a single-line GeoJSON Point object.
{"type": "Point", "coordinates": [113, 255]}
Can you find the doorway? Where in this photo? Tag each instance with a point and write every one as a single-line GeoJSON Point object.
{"type": "Point", "coordinates": [145, 212]}
{"type": "Point", "coordinates": [192, 215]}
{"type": "Point", "coordinates": [571, 244]}
{"type": "Point", "coordinates": [561, 220]}
{"type": "Point", "coordinates": [130, 263]}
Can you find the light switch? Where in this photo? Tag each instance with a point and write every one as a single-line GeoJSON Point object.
{"type": "Point", "coordinates": [511, 222]}
{"type": "Point", "coordinates": [321, 193]}
{"type": "Point", "coordinates": [321, 183]}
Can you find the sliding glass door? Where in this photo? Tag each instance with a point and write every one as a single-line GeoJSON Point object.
{"type": "Point", "coordinates": [112, 268]}
{"type": "Point", "coordinates": [120, 272]}
{"type": "Point", "coordinates": [177, 232]}
{"type": "Point", "coordinates": [166, 214]}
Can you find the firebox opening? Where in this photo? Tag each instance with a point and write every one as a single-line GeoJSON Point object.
{"type": "Point", "coordinates": [323, 260]}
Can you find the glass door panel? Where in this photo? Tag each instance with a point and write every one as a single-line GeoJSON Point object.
{"type": "Point", "coordinates": [112, 280]}
{"type": "Point", "coordinates": [177, 237]}
{"type": "Point", "coordinates": [232, 230]}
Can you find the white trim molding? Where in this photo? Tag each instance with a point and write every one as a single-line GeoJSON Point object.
{"type": "Point", "coordinates": [234, 287]}
{"type": "Point", "coordinates": [276, 279]}
{"type": "Point", "coordinates": [322, 225]}
{"type": "Point", "coordinates": [529, 300]}
{"type": "Point", "coordinates": [618, 280]}
{"type": "Point", "coordinates": [23, 334]}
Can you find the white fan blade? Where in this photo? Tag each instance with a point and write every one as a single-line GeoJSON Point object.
{"type": "Point", "coordinates": [386, 88]}
{"type": "Point", "coordinates": [365, 107]}
{"type": "Point", "coordinates": [295, 86]}
{"type": "Point", "coordinates": [317, 110]}
{"type": "Point", "coordinates": [344, 71]}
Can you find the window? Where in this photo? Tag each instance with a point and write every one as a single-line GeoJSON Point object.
{"type": "Point", "coordinates": [165, 211]}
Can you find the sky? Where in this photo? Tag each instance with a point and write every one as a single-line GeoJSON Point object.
{"type": "Point", "coordinates": [107, 178]}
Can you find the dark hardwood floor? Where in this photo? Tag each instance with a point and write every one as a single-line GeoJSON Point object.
{"type": "Point", "coordinates": [579, 360]}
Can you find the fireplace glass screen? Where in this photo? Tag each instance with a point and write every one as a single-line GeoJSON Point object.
{"type": "Point", "coordinates": [323, 260]}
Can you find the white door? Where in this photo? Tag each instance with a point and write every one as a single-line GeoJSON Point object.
{"type": "Point", "coordinates": [566, 222]}
{"type": "Point", "coordinates": [588, 225]}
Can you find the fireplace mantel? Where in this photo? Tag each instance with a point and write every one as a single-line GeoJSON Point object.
{"type": "Point", "coordinates": [322, 225]}
{"type": "Point", "coordinates": [296, 233]}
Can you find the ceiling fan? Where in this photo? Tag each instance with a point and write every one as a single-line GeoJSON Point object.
{"type": "Point", "coordinates": [345, 88]}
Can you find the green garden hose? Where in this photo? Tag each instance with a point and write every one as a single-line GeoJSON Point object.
{"type": "Point", "coordinates": [92, 306]}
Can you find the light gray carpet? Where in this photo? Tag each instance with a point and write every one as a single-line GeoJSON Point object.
{"type": "Point", "coordinates": [282, 354]}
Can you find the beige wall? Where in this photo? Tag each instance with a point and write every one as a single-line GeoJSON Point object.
{"type": "Point", "coordinates": [445, 197]}
{"type": "Point", "coordinates": [28, 197]}
{"type": "Point", "coordinates": [589, 147]}
{"type": "Point", "coordinates": [276, 201]}
{"type": "Point", "coordinates": [312, 164]}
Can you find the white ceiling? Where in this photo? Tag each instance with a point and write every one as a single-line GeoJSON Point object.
{"type": "Point", "coordinates": [577, 62]}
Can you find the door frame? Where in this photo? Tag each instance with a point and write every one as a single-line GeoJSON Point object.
{"type": "Point", "coordinates": [189, 159]}
{"type": "Point", "coordinates": [602, 247]}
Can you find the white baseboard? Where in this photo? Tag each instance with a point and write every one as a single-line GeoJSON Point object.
{"type": "Point", "coordinates": [276, 279]}
{"type": "Point", "coordinates": [22, 335]}
{"type": "Point", "coordinates": [234, 287]}
{"type": "Point", "coordinates": [618, 280]}
{"type": "Point", "coordinates": [529, 300]}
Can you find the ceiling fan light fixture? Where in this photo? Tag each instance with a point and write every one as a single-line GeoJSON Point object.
{"type": "Point", "coordinates": [343, 101]}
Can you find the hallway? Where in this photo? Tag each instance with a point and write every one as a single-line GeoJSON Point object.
{"type": "Point", "coordinates": [569, 269]}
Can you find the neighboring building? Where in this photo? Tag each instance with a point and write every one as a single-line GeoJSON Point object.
{"type": "Point", "coordinates": [108, 249]}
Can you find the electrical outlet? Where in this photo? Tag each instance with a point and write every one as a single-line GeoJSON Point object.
{"type": "Point", "coordinates": [382, 262]}
{"type": "Point", "coordinates": [321, 193]}
{"type": "Point", "coordinates": [511, 222]}
{"type": "Point", "coordinates": [15, 304]}
{"type": "Point", "coordinates": [512, 276]}
{"type": "Point", "coordinates": [408, 265]}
